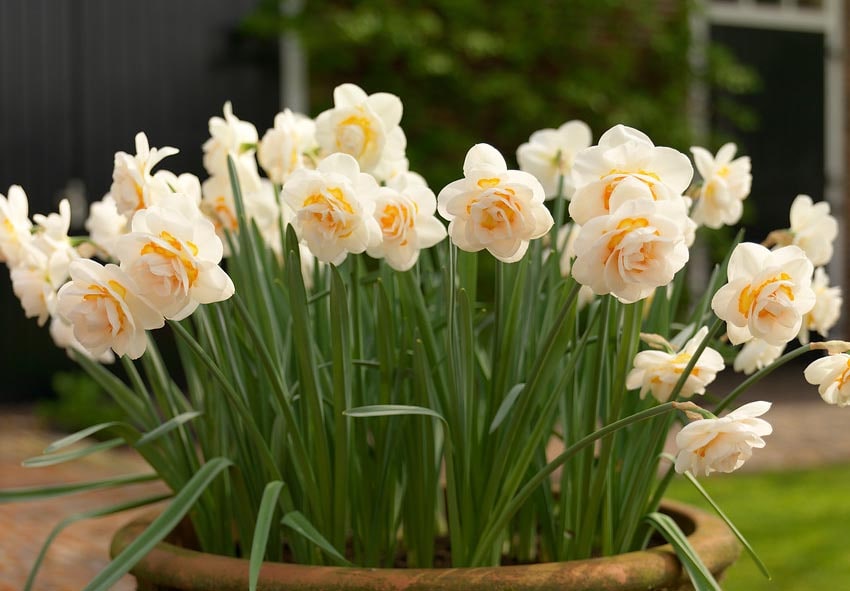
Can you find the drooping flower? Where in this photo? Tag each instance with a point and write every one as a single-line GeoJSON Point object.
{"type": "Point", "coordinates": [358, 124]}
{"type": "Point", "coordinates": [767, 293]}
{"type": "Point", "coordinates": [755, 355]}
{"type": "Point", "coordinates": [726, 183]}
{"type": "Point", "coordinates": [624, 152]}
{"type": "Point", "coordinates": [637, 248]}
{"type": "Point", "coordinates": [15, 224]}
{"type": "Point", "coordinates": [63, 337]}
{"type": "Point", "coordinates": [103, 306]}
{"type": "Point", "coordinates": [405, 212]}
{"type": "Point", "coordinates": [172, 255]}
{"type": "Point", "coordinates": [333, 208]}
{"type": "Point", "coordinates": [831, 375]}
{"type": "Point", "coordinates": [282, 149]}
{"type": "Point", "coordinates": [105, 225]}
{"type": "Point", "coordinates": [549, 154]}
{"type": "Point", "coordinates": [722, 444]}
{"type": "Point", "coordinates": [827, 308]}
{"type": "Point", "coordinates": [133, 182]}
{"type": "Point", "coordinates": [813, 229]}
{"type": "Point", "coordinates": [229, 136]}
{"type": "Point", "coordinates": [658, 372]}
{"type": "Point", "coordinates": [493, 207]}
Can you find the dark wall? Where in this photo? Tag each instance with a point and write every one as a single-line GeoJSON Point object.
{"type": "Point", "coordinates": [787, 143]}
{"type": "Point", "coordinates": [78, 79]}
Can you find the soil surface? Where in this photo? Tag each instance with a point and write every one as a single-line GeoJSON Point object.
{"type": "Point", "coordinates": [807, 432]}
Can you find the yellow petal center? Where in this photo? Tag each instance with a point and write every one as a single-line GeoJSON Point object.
{"type": "Point", "coordinates": [749, 295]}
{"type": "Point", "coordinates": [176, 252]}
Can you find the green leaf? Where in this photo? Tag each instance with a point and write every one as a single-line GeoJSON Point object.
{"type": "Point", "coordinates": [73, 518]}
{"type": "Point", "coordinates": [160, 527]}
{"type": "Point", "coordinates": [389, 410]}
{"type": "Point", "coordinates": [80, 435]}
{"type": "Point", "coordinates": [51, 459]}
{"type": "Point", "coordinates": [700, 576]}
{"type": "Point", "coordinates": [261, 531]}
{"type": "Point", "coordinates": [168, 426]}
{"type": "Point", "coordinates": [761, 565]}
{"type": "Point", "coordinates": [299, 524]}
{"type": "Point", "coordinates": [506, 406]}
{"type": "Point", "coordinates": [15, 495]}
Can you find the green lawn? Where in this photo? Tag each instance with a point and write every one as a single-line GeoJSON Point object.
{"type": "Point", "coordinates": [797, 521]}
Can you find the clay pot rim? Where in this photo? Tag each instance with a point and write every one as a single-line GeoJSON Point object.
{"type": "Point", "coordinates": [174, 567]}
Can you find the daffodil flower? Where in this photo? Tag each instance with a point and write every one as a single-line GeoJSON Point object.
{"type": "Point", "coordinates": [333, 208]}
{"type": "Point", "coordinates": [639, 247]}
{"type": "Point", "coordinates": [15, 225]}
{"type": "Point", "coordinates": [549, 154]}
{"type": "Point", "coordinates": [494, 208]}
{"type": "Point", "coordinates": [767, 293]}
{"type": "Point", "coordinates": [133, 182]}
{"type": "Point", "coordinates": [405, 212]}
{"type": "Point", "coordinates": [104, 308]}
{"type": "Point", "coordinates": [755, 355]}
{"type": "Point", "coordinates": [105, 225]}
{"type": "Point", "coordinates": [813, 229]}
{"type": "Point", "coordinates": [726, 183]}
{"type": "Point", "coordinates": [658, 372]}
{"type": "Point", "coordinates": [826, 311]}
{"type": "Point", "coordinates": [358, 124]}
{"type": "Point", "coordinates": [831, 375]}
{"type": "Point", "coordinates": [624, 152]}
{"type": "Point", "coordinates": [722, 444]}
{"type": "Point", "coordinates": [282, 149]}
{"type": "Point", "coordinates": [172, 255]}
{"type": "Point", "coordinates": [229, 136]}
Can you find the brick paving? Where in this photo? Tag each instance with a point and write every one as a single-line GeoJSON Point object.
{"type": "Point", "coordinates": [807, 432]}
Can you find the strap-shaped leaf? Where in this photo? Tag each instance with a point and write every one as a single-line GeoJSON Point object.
{"type": "Point", "coordinates": [71, 519]}
{"type": "Point", "coordinates": [167, 427]}
{"type": "Point", "coordinates": [738, 534]}
{"type": "Point", "coordinates": [389, 410]}
{"type": "Point", "coordinates": [261, 531]}
{"type": "Point", "coordinates": [160, 527]}
{"type": "Point", "coordinates": [80, 435]}
{"type": "Point", "coordinates": [296, 521]}
{"type": "Point", "coordinates": [67, 456]}
{"type": "Point", "coordinates": [700, 576]}
{"type": "Point", "coordinates": [14, 495]}
{"type": "Point", "coordinates": [506, 406]}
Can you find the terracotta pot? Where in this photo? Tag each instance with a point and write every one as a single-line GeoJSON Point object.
{"type": "Point", "coordinates": [169, 567]}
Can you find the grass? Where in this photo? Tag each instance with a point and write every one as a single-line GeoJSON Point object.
{"type": "Point", "coordinates": [797, 521]}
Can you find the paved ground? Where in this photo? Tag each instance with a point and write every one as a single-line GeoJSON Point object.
{"type": "Point", "coordinates": [807, 432]}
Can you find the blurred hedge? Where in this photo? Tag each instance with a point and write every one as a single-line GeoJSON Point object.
{"type": "Point", "coordinates": [476, 70]}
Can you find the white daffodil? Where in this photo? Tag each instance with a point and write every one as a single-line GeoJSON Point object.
{"type": "Point", "coordinates": [393, 161]}
{"type": "Point", "coordinates": [722, 444]}
{"type": "Point", "coordinates": [549, 154]}
{"type": "Point", "coordinates": [827, 308]}
{"type": "Point", "coordinates": [624, 152]}
{"type": "Point", "coordinates": [831, 375]}
{"type": "Point", "coordinates": [405, 212]}
{"type": "Point", "coordinates": [358, 124]}
{"type": "Point", "coordinates": [172, 254]}
{"type": "Point", "coordinates": [133, 182]}
{"type": "Point", "coordinates": [103, 306]}
{"type": "Point", "coordinates": [229, 136]}
{"type": "Point", "coordinates": [15, 225]}
{"type": "Point", "coordinates": [658, 372]}
{"type": "Point", "coordinates": [493, 207]}
{"type": "Point", "coordinates": [282, 149]}
{"type": "Point", "coordinates": [725, 185]}
{"type": "Point", "coordinates": [767, 293]}
{"type": "Point", "coordinates": [813, 229]}
{"type": "Point", "coordinates": [333, 208]}
{"type": "Point", "coordinates": [63, 337]}
{"type": "Point", "coordinates": [637, 248]}
{"type": "Point", "coordinates": [186, 184]}
{"type": "Point", "coordinates": [105, 225]}
{"type": "Point", "coordinates": [219, 205]}
{"type": "Point", "coordinates": [755, 355]}
{"type": "Point", "coordinates": [36, 278]}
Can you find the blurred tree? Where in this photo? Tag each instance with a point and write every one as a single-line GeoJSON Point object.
{"type": "Point", "coordinates": [471, 70]}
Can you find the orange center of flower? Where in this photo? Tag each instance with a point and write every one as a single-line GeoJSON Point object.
{"type": "Point", "coordinates": [845, 376]}
{"type": "Point", "coordinates": [224, 214]}
{"type": "Point", "coordinates": [140, 196]}
{"type": "Point", "coordinates": [749, 296]}
{"type": "Point", "coordinates": [176, 252]}
{"type": "Point", "coordinates": [624, 227]}
{"type": "Point", "coordinates": [619, 175]}
{"type": "Point", "coordinates": [324, 211]}
{"type": "Point", "coordinates": [354, 135]}
{"type": "Point", "coordinates": [502, 210]}
{"type": "Point", "coordinates": [395, 219]}
{"type": "Point", "coordinates": [101, 292]}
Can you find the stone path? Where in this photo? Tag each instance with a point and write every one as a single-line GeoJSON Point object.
{"type": "Point", "coordinates": [807, 432]}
